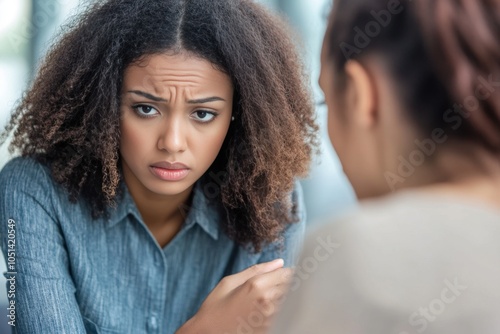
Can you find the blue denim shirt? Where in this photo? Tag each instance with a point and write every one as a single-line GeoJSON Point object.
{"type": "Point", "coordinates": [77, 275]}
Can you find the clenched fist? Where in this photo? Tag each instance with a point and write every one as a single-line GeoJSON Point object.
{"type": "Point", "coordinates": [242, 303]}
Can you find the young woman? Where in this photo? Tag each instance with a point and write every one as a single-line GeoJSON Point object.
{"type": "Point", "coordinates": [160, 143]}
{"type": "Point", "coordinates": [413, 90]}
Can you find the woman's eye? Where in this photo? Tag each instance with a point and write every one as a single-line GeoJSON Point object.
{"type": "Point", "coordinates": [203, 116]}
{"type": "Point", "coordinates": [145, 110]}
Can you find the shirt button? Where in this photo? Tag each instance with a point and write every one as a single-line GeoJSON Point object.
{"type": "Point", "coordinates": [152, 323]}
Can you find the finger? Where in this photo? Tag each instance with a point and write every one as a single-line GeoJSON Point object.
{"type": "Point", "coordinates": [276, 277]}
{"type": "Point", "coordinates": [236, 280]}
{"type": "Point", "coordinates": [268, 302]}
{"type": "Point", "coordinates": [260, 285]}
{"type": "Point", "coordinates": [279, 292]}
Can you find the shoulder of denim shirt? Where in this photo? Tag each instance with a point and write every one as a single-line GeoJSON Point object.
{"type": "Point", "coordinates": [26, 174]}
{"type": "Point", "coordinates": [298, 201]}
{"type": "Point", "coordinates": [204, 210]}
{"type": "Point", "coordinates": [294, 234]}
{"type": "Point", "coordinates": [299, 210]}
{"type": "Point", "coordinates": [296, 229]}
{"type": "Point", "coordinates": [289, 243]}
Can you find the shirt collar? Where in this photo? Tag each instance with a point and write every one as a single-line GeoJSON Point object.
{"type": "Point", "coordinates": [203, 211]}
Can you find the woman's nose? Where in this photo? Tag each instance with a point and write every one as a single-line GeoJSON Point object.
{"type": "Point", "coordinates": [173, 136]}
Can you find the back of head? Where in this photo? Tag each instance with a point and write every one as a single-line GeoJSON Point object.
{"type": "Point", "coordinates": [444, 59]}
{"type": "Point", "coordinates": [442, 54]}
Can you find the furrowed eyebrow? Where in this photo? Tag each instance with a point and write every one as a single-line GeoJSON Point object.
{"type": "Point", "coordinates": [148, 96]}
{"type": "Point", "coordinates": [206, 100]}
{"type": "Point", "coordinates": [159, 99]}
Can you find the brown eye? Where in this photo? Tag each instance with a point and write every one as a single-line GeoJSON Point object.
{"type": "Point", "coordinates": [143, 110]}
{"type": "Point", "coordinates": [203, 116]}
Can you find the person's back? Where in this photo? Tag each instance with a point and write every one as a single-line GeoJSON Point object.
{"type": "Point", "coordinates": [413, 95]}
{"type": "Point", "coordinates": [409, 263]}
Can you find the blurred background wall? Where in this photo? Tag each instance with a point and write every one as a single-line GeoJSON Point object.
{"type": "Point", "coordinates": [27, 28]}
{"type": "Point", "coordinates": [327, 191]}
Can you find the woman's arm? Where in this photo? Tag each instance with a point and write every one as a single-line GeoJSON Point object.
{"type": "Point", "coordinates": [246, 302]}
{"type": "Point", "coordinates": [42, 291]}
{"type": "Point", "coordinates": [242, 303]}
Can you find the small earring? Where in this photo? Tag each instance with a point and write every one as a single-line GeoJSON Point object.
{"type": "Point", "coordinates": [232, 119]}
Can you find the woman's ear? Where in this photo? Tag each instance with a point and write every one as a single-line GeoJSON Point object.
{"type": "Point", "coordinates": [360, 95]}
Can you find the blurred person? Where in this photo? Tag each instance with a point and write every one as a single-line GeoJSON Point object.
{"type": "Point", "coordinates": [413, 92]}
{"type": "Point", "coordinates": [160, 143]}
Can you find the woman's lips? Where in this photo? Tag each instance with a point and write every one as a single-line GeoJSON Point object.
{"type": "Point", "coordinates": [169, 174]}
{"type": "Point", "coordinates": [170, 165]}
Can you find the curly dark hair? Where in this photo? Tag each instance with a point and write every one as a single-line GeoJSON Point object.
{"type": "Point", "coordinates": [69, 118]}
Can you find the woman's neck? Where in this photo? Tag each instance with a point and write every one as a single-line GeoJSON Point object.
{"type": "Point", "coordinates": [159, 210]}
{"type": "Point", "coordinates": [163, 215]}
{"type": "Point", "coordinates": [462, 170]}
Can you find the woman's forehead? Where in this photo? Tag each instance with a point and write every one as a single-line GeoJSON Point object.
{"type": "Point", "coordinates": [160, 71]}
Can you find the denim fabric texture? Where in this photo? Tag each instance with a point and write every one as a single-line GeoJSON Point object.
{"type": "Point", "coordinates": [109, 275]}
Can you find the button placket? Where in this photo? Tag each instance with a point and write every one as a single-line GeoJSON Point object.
{"type": "Point", "coordinates": [158, 258]}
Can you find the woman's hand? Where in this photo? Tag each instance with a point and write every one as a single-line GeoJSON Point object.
{"type": "Point", "coordinates": [242, 303]}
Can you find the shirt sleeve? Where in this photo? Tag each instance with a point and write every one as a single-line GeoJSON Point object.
{"type": "Point", "coordinates": [40, 287]}
{"type": "Point", "coordinates": [293, 235]}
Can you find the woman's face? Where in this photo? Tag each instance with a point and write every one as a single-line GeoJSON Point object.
{"type": "Point", "coordinates": [176, 111]}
